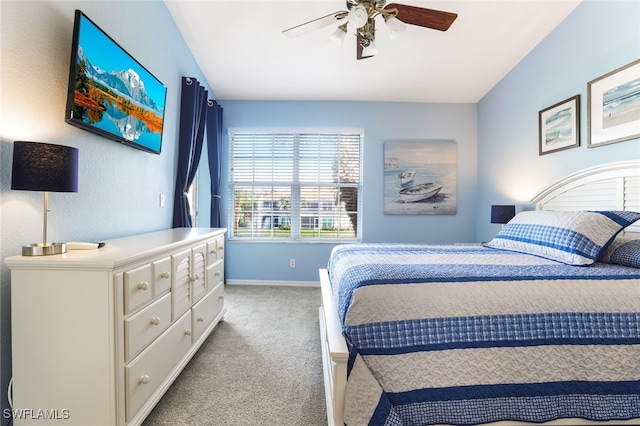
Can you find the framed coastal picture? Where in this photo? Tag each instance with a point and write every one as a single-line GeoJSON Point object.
{"type": "Point", "coordinates": [559, 126]}
{"type": "Point", "coordinates": [420, 177]}
{"type": "Point", "coordinates": [613, 103]}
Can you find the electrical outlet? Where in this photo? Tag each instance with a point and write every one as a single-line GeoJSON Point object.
{"type": "Point", "coordinates": [292, 263]}
{"type": "Point", "coordinates": [161, 200]}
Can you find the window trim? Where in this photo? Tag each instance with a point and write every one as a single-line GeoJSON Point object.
{"type": "Point", "coordinates": [295, 209]}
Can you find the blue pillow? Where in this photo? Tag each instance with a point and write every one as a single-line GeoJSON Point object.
{"type": "Point", "coordinates": [623, 252]}
{"type": "Point", "coordinates": [571, 237]}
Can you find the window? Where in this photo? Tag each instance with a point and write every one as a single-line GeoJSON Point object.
{"type": "Point", "coordinates": [295, 186]}
{"type": "Point", "coordinates": [193, 200]}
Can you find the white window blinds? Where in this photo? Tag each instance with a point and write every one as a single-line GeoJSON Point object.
{"type": "Point", "coordinates": [292, 185]}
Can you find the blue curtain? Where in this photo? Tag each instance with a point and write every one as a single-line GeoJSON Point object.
{"type": "Point", "coordinates": [193, 112]}
{"type": "Point", "coordinates": [214, 150]}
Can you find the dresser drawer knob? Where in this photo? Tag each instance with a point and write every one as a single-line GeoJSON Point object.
{"type": "Point", "coordinates": [143, 380]}
{"type": "Point", "coordinates": [200, 319]}
{"type": "Point", "coordinates": [143, 285]}
{"type": "Point", "coordinates": [187, 332]}
{"type": "Point", "coordinates": [221, 248]}
{"type": "Point", "coordinates": [165, 275]}
{"type": "Point", "coordinates": [155, 320]}
{"type": "Point", "coordinates": [213, 251]}
{"type": "Point", "coordinates": [217, 273]}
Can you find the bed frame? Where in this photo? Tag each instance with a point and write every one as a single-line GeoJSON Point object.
{"type": "Point", "coordinates": [612, 186]}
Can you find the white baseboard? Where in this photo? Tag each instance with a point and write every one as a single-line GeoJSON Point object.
{"type": "Point", "coordinates": [274, 283]}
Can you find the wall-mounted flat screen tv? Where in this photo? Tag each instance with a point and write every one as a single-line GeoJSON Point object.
{"type": "Point", "coordinates": [110, 93]}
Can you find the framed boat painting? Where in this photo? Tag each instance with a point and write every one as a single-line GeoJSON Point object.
{"type": "Point", "coordinates": [420, 177]}
{"type": "Point", "coordinates": [613, 103]}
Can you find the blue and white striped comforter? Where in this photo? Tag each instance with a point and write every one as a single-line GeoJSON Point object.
{"type": "Point", "coordinates": [464, 334]}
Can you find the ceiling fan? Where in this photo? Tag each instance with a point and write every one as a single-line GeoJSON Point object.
{"type": "Point", "coordinates": [360, 18]}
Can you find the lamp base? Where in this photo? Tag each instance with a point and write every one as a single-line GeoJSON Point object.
{"type": "Point", "coordinates": [44, 249]}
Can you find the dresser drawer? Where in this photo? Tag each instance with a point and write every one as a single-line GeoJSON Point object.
{"type": "Point", "coordinates": [137, 287]}
{"type": "Point", "coordinates": [215, 250]}
{"type": "Point", "coordinates": [216, 274]}
{"type": "Point", "coordinates": [147, 371]}
{"type": "Point", "coordinates": [161, 276]}
{"type": "Point", "coordinates": [205, 311]}
{"type": "Point", "coordinates": [140, 329]}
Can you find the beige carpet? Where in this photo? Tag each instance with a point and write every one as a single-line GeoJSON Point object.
{"type": "Point", "coordinates": [261, 366]}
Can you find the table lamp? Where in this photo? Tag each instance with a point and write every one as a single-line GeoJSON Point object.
{"type": "Point", "coordinates": [502, 214]}
{"type": "Point", "coordinates": [44, 167]}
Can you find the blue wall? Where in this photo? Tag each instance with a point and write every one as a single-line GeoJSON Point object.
{"type": "Point", "coordinates": [119, 187]}
{"type": "Point", "coordinates": [598, 37]}
{"type": "Point", "coordinates": [497, 140]}
{"type": "Point", "coordinates": [381, 122]}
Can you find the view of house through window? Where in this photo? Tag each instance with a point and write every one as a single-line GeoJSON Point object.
{"type": "Point", "coordinates": [302, 186]}
{"type": "Point", "coordinates": [193, 201]}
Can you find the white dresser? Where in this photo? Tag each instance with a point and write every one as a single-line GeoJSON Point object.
{"type": "Point", "coordinates": [98, 336]}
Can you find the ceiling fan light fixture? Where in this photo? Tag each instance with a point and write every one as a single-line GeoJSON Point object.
{"type": "Point", "coordinates": [370, 49]}
{"type": "Point", "coordinates": [358, 16]}
{"type": "Point", "coordinates": [395, 27]}
{"type": "Point", "coordinates": [338, 35]}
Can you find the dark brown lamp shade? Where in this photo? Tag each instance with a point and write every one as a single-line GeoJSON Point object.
{"type": "Point", "coordinates": [44, 167]}
{"type": "Point", "coordinates": [502, 214]}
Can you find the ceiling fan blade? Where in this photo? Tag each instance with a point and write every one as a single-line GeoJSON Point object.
{"type": "Point", "coordinates": [310, 26]}
{"type": "Point", "coordinates": [422, 17]}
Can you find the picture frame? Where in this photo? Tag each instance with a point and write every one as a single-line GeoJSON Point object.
{"type": "Point", "coordinates": [613, 102]}
{"type": "Point", "coordinates": [559, 126]}
{"type": "Point", "coordinates": [420, 177]}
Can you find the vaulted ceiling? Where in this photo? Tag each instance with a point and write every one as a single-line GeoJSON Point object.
{"type": "Point", "coordinates": [240, 48]}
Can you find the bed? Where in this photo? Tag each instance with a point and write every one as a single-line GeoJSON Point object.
{"type": "Point", "coordinates": [503, 332]}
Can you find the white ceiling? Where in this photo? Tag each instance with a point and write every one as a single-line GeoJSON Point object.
{"type": "Point", "coordinates": [240, 48]}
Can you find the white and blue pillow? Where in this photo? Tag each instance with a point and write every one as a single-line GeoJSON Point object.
{"type": "Point", "coordinates": [571, 237]}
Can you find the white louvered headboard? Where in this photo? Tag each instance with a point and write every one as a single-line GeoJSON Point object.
{"type": "Point", "coordinates": [611, 186]}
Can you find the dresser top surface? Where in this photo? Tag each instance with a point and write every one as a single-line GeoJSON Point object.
{"type": "Point", "coordinates": [120, 251]}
